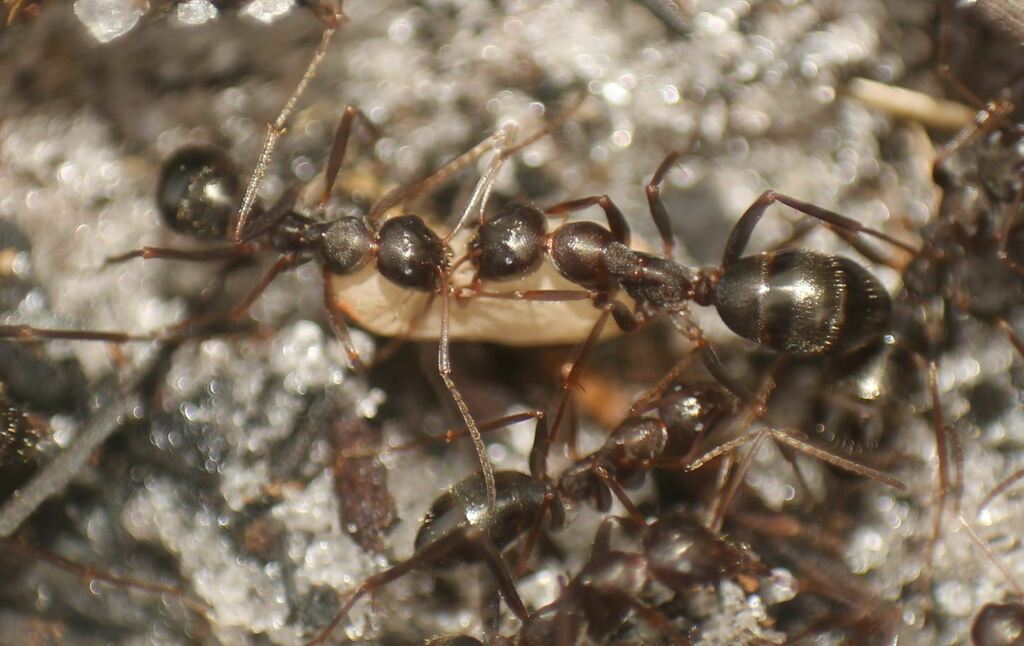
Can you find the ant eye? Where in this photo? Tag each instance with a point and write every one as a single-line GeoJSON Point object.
{"type": "Point", "coordinates": [198, 192]}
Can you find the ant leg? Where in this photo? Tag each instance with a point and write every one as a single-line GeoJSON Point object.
{"type": "Point", "coordinates": [741, 233]}
{"type": "Point", "coordinates": [444, 368]}
{"type": "Point", "coordinates": [623, 317]}
{"type": "Point", "coordinates": [429, 183]}
{"type": "Point", "coordinates": [332, 19]}
{"type": "Point", "coordinates": [990, 114]}
{"type": "Point", "coordinates": [987, 549]}
{"type": "Point", "coordinates": [482, 191]}
{"type": "Point", "coordinates": [627, 503]}
{"type": "Point", "coordinates": [285, 262]}
{"type": "Point", "coordinates": [339, 324]}
{"type": "Point", "coordinates": [89, 574]}
{"type": "Point", "coordinates": [341, 137]}
{"type": "Point", "coordinates": [1008, 482]}
{"type": "Point", "coordinates": [657, 206]}
{"type": "Point", "coordinates": [650, 398]}
{"type": "Point", "coordinates": [31, 334]}
{"type": "Point", "coordinates": [189, 255]}
{"type": "Point", "coordinates": [722, 502]}
{"type": "Point", "coordinates": [1006, 229]}
{"type": "Point", "coordinates": [789, 438]}
{"type": "Point", "coordinates": [472, 537]}
{"type": "Point", "coordinates": [452, 434]}
{"type": "Point", "coordinates": [942, 454]}
{"type": "Point", "coordinates": [616, 220]}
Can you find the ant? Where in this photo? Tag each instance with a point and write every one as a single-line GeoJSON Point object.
{"type": "Point", "coordinates": [199, 190]}
{"type": "Point", "coordinates": [676, 551]}
{"type": "Point", "coordinates": [460, 527]}
{"type": "Point", "coordinates": [796, 301]}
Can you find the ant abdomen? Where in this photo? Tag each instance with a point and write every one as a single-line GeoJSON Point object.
{"type": "Point", "coordinates": [509, 244]}
{"type": "Point", "coordinates": [681, 553]}
{"type": "Point", "coordinates": [198, 192]}
{"type": "Point", "coordinates": [520, 498]}
{"type": "Point", "coordinates": [803, 302]}
{"type": "Point", "coordinates": [410, 253]}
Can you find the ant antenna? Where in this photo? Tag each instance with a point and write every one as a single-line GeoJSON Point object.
{"type": "Point", "coordinates": [332, 18]}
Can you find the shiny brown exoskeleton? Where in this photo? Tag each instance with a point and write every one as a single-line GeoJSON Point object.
{"type": "Point", "coordinates": [461, 527]}
{"type": "Point", "coordinates": [513, 243]}
{"type": "Point", "coordinates": [675, 551]}
{"type": "Point", "coordinates": [796, 301]}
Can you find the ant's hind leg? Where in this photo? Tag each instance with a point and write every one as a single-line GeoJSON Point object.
{"type": "Point", "coordinates": [341, 137]}
{"type": "Point", "coordinates": [616, 220]}
{"type": "Point", "coordinates": [339, 324]}
{"type": "Point", "coordinates": [740, 236]}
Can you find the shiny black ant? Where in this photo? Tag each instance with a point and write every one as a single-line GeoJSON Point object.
{"type": "Point", "coordinates": [461, 528]}
{"type": "Point", "coordinates": [198, 193]}
{"type": "Point", "coordinates": [795, 301]}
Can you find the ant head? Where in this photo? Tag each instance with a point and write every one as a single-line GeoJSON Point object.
{"type": "Point", "coordinates": [345, 245]}
{"type": "Point", "coordinates": [410, 254]}
{"type": "Point", "coordinates": [198, 192]}
{"type": "Point", "coordinates": [510, 243]}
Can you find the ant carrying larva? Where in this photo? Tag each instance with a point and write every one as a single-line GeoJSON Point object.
{"type": "Point", "coordinates": [197, 195]}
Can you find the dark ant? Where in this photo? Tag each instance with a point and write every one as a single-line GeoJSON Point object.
{"type": "Point", "coordinates": [796, 301]}
{"type": "Point", "coordinates": [676, 551]}
{"type": "Point", "coordinates": [460, 527]}
{"type": "Point", "coordinates": [197, 194]}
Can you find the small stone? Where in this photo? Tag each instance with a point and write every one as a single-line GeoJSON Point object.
{"type": "Point", "coordinates": [108, 19]}
{"type": "Point", "coordinates": [267, 11]}
{"type": "Point", "coordinates": [196, 12]}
